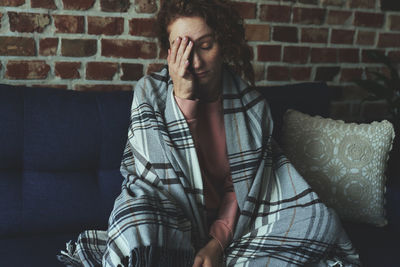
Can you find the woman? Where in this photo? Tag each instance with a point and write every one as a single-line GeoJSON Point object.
{"type": "Point", "coordinates": [205, 185]}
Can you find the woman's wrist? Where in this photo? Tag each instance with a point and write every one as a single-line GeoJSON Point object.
{"type": "Point", "coordinates": [184, 94]}
{"type": "Point", "coordinates": [215, 245]}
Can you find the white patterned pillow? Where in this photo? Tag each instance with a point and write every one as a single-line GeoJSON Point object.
{"type": "Point", "coordinates": [343, 162]}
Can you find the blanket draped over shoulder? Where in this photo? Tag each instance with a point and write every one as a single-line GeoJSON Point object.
{"type": "Point", "coordinates": [159, 219]}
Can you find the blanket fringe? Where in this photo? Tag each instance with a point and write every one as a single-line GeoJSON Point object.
{"type": "Point", "coordinates": [70, 257]}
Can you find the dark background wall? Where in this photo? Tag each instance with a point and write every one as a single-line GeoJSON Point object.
{"type": "Point", "coordinates": [109, 44]}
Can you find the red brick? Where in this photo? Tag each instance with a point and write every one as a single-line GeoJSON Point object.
{"type": "Point", "coordinates": [142, 27]}
{"type": "Point", "coordinates": [395, 22]}
{"type": "Point", "coordinates": [114, 5]}
{"type": "Point", "coordinates": [246, 10]}
{"type": "Point", "coordinates": [28, 22]}
{"type": "Point", "coordinates": [257, 32]}
{"type": "Point", "coordinates": [336, 17]}
{"type": "Point", "coordinates": [364, 55]}
{"type": "Point", "coordinates": [394, 55]}
{"type": "Point", "coordinates": [342, 36]}
{"type": "Point", "coordinates": [365, 38]}
{"type": "Point", "coordinates": [48, 4]}
{"type": "Point", "coordinates": [48, 46]}
{"type": "Point", "coordinates": [163, 54]}
{"type": "Point", "coordinates": [103, 87]}
{"type": "Point", "coordinates": [145, 6]}
{"type": "Point", "coordinates": [390, 5]}
{"type": "Point", "coordinates": [17, 46]}
{"type": "Point", "coordinates": [369, 72]}
{"type": "Point", "coordinates": [278, 73]}
{"type": "Point", "coordinates": [323, 55]}
{"type": "Point", "coordinates": [275, 13]}
{"type": "Point", "coordinates": [362, 3]}
{"type": "Point", "coordinates": [78, 5]}
{"type": "Point", "coordinates": [333, 3]}
{"type": "Point", "coordinates": [285, 34]}
{"type": "Point", "coordinates": [101, 70]}
{"type": "Point", "coordinates": [105, 25]}
{"type": "Point", "coordinates": [373, 20]}
{"type": "Point", "coordinates": [309, 15]}
{"type": "Point", "coordinates": [131, 71]}
{"type": "Point", "coordinates": [269, 52]}
{"type": "Point", "coordinates": [314, 35]}
{"type": "Point", "coordinates": [350, 74]}
{"type": "Point", "coordinates": [128, 49]}
{"type": "Point", "coordinates": [30, 70]}
{"type": "Point", "coordinates": [155, 67]}
{"type": "Point", "coordinates": [69, 24]}
{"type": "Point", "coordinates": [389, 40]}
{"type": "Point", "coordinates": [296, 54]}
{"type": "Point", "coordinates": [78, 47]}
{"type": "Point", "coordinates": [300, 73]}
{"type": "Point", "coordinates": [350, 55]}
{"type": "Point", "coordinates": [326, 73]}
{"type": "Point", "coordinates": [68, 70]}
{"type": "Point", "coordinates": [12, 2]}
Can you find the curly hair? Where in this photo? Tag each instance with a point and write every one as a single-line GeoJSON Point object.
{"type": "Point", "coordinates": [219, 16]}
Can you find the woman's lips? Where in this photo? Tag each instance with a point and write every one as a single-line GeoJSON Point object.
{"type": "Point", "coordinates": [201, 74]}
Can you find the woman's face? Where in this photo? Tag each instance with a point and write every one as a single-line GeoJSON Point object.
{"type": "Point", "coordinates": [205, 60]}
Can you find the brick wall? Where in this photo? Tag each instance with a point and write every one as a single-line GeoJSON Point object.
{"type": "Point", "coordinates": [109, 44]}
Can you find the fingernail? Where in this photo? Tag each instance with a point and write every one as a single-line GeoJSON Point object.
{"type": "Point", "coordinates": [190, 43]}
{"type": "Point", "coordinates": [178, 38]}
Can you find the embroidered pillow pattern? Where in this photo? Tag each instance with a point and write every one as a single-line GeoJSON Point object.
{"type": "Point", "coordinates": [343, 162]}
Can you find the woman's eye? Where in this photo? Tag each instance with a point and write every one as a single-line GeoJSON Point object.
{"type": "Point", "coordinates": [206, 46]}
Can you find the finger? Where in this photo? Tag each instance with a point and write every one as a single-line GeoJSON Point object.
{"type": "Point", "coordinates": [207, 263]}
{"type": "Point", "coordinates": [181, 50]}
{"type": "Point", "coordinates": [188, 50]}
{"type": "Point", "coordinates": [174, 49]}
{"type": "Point", "coordinates": [185, 59]}
{"type": "Point", "coordinates": [183, 68]}
{"type": "Point", "coordinates": [198, 261]}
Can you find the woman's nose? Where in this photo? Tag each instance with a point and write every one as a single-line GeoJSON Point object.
{"type": "Point", "coordinates": [197, 62]}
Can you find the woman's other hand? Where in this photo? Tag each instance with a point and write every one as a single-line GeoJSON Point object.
{"type": "Point", "coordinates": [178, 66]}
{"type": "Point", "coordinates": [209, 256]}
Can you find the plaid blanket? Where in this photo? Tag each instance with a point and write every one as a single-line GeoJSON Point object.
{"type": "Point", "coordinates": [159, 219]}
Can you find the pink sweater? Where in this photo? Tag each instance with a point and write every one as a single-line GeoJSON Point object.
{"type": "Point", "coordinates": [206, 124]}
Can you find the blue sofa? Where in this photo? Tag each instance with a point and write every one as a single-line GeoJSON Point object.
{"type": "Point", "coordinates": [60, 152]}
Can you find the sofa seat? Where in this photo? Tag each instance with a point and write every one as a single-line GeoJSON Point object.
{"type": "Point", "coordinates": [36, 250]}
{"type": "Point", "coordinates": [60, 155]}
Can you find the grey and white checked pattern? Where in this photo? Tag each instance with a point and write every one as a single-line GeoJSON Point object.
{"type": "Point", "coordinates": [161, 211]}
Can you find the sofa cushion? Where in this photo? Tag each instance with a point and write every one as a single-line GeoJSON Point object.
{"type": "Point", "coordinates": [343, 162]}
{"type": "Point", "coordinates": [60, 156]}
{"type": "Point", "coordinates": [34, 251]}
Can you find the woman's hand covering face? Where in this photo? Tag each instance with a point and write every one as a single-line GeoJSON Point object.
{"type": "Point", "coordinates": [178, 66]}
{"type": "Point", "coordinates": [194, 59]}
